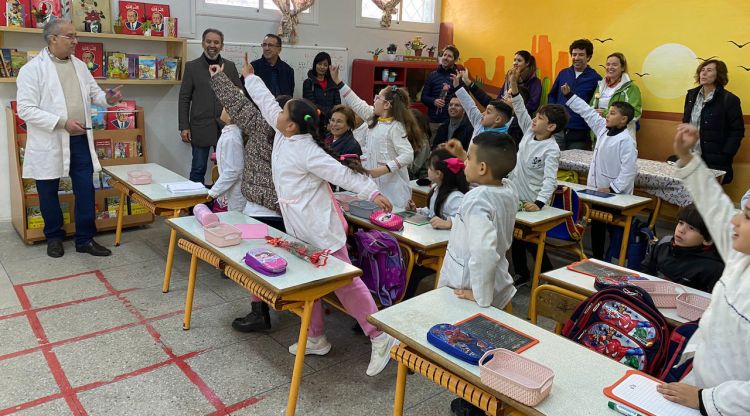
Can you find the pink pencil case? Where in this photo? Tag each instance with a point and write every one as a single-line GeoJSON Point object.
{"type": "Point", "coordinates": [265, 261]}
{"type": "Point", "coordinates": [387, 220]}
{"type": "Point", "coordinates": [222, 235]}
{"type": "Point", "coordinates": [139, 177]}
{"type": "Point", "coordinates": [205, 216]}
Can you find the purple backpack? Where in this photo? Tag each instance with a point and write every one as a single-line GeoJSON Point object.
{"type": "Point", "coordinates": [379, 257]}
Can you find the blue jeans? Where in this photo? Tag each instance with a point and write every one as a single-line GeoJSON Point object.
{"type": "Point", "coordinates": [200, 163]}
{"type": "Point", "coordinates": [81, 174]}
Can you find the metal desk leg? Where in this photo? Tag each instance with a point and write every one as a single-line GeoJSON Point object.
{"type": "Point", "coordinates": [120, 216]}
{"type": "Point", "coordinates": [625, 239]}
{"type": "Point", "coordinates": [170, 255]}
{"type": "Point", "coordinates": [398, 402]}
{"type": "Point", "coordinates": [190, 292]}
{"type": "Point", "coordinates": [299, 359]}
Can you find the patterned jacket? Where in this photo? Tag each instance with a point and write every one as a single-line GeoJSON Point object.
{"type": "Point", "coordinates": [257, 181]}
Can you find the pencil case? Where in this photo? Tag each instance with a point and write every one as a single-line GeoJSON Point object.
{"type": "Point", "coordinates": [205, 216]}
{"type": "Point", "coordinates": [523, 380]}
{"type": "Point", "coordinates": [222, 235]}
{"type": "Point", "coordinates": [362, 209]}
{"type": "Point", "coordinates": [139, 177]}
{"type": "Point", "coordinates": [387, 220]}
{"type": "Point", "coordinates": [265, 261]}
{"type": "Point", "coordinates": [456, 342]}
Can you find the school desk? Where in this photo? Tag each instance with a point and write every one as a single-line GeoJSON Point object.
{"type": "Point", "coordinates": [419, 194]}
{"type": "Point", "coordinates": [532, 227]}
{"type": "Point", "coordinates": [580, 374]}
{"type": "Point", "coordinates": [584, 284]}
{"type": "Point", "coordinates": [624, 207]}
{"type": "Point", "coordinates": [156, 198]}
{"type": "Point", "coordinates": [295, 291]}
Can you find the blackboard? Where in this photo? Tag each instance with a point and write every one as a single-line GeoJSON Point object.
{"type": "Point", "coordinates": [496, 333]}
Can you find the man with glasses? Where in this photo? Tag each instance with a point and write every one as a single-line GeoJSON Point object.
{"type": "Point", "coordinates": [277, 74]}
{"type": "Point", "coordinates": [55, 92]}
{"type": "Point", "coordinates": [198, 109]}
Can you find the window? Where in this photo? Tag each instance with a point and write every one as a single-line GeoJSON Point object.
{"type": "Point", "coordinates": [253, 9]}
{"type": "Point", "coordinates": [411, 15]}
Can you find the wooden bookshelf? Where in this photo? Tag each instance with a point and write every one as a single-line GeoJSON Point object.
{"type": "Point", "coordinates": [20, 201]}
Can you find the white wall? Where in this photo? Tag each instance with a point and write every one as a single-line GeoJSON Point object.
{"type": "Point", "coordinates": [336, 27]}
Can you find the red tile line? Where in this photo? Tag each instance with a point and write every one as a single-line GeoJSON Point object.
{"type": "Point", "coordinates": [64, 304]}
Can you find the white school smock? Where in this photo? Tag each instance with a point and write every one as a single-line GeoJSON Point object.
{"type": "Point", "coordinates": [721, 366]}
{"type": "Point", "coordinates": [450, 206]}
{"type": "Point", "coordinates": [229, 159]}
{"type": "Point", "coordinates": [302, 171]}
{"type": "Point", "coordinates": [535, 174]}
{"type": "Point", "coordinates": [41, 103]}
{"type": "Point", "coordinates": [482, 233]}
{"type": "Point", "coordinates": [613, 164]}
{"type": "Point", "coordinates": [384, 144]}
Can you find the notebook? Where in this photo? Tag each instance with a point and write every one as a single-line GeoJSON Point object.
{"type": "Point", "coordinates": [413, 217]}
{"type": "Point", "coordinates": [253, 231]}
{"type": "Point", "coordinates": [637, 391]}
{"type": "Point", "coordinates": [595, 269]}
{"type": "Point", "coordinates": [185, 187]}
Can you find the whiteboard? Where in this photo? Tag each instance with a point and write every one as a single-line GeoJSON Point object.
{"type": "Point", "coordinates": [299, 57]}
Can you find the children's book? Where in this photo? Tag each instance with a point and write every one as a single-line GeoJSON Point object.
{"type": "Point", "coordinates": [135, 208]}
{"type": "Point", "coordinates": [34, 217]}
{"type": "Point", "coordinates": [121, 116]}
{"type": "Point", "coordinates": [7, 61]}
{"type": "Point", "coordinates": [413, 217]}
{"type": "Point", "coordinates": [117, 65]}
{"type": "Point", "coordinates": [65, 186]}
{"type": "Point", "coordinates": [91, 53]}
{"type": "Point", "coordinates": [105, 181]}
{"type": "Point", "coordinates": [15, 13]}
{"type": "Point", "coordinates": [17, 59]}
{"type": "Point", "coordinates": [29, 187]}
{"type": "Point", "coordinates": [42, 11]}
{"type": "Point", "coordinates": [112, 204]}
{"type": "Point", "coordinates": [97, 180]}
{"type": "Point", "coordinates": [65, 208]}
{"type": "Point", "coordinates": [20, 124]}
{"type": "Point", "coordinates": [146, 67]}
{"type": "Point", "coordinates": [103, 148]}
{"type": "Point", "coordinates": [85, 12]}
{"type": "Point", "coordinates": [170, 69]}
{"type": "Point", "coordinates": [122, 150]}
{"type": "Point", "coordinates": [171, 23]}
{"type": "Point", "coordinates": [155, 18]}
{"type": "Point", "coordinates": [133, 17]}
{"type": "Point", "coordinates": [139, 146]}
{"type": "Point", "coordinates": [98, 119]}
{"type": "Point", "coordinates": [133, 65]}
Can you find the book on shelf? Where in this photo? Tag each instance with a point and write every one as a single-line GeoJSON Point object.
{"type": "Point", "coordinates": [135, 207]}
{"type": "Point", "coordinates": [85, 12]}
{"type": "Point", "coordinates": [20, 124]}
{"type": "Point", "coordinates": [103, 148]}
{"type": "Point", "coordinates": [133, 65]}
{"type": "Point", "coordinates": [112, 204]}
{"type": "Point", "coordinates": [34, 218]}
{"type": "Point", "coordinates": [167, 67]}
{"type": "Point", "coordinates": [17, 60]}
{"type": "Point", "coordinates": [45, 9]}
{"type": "Point", "coordinates": [15, 13]}
{"type": "Point", "coordinates": [96, 179]}
{"type": "Point", "coordinates": [29, 187]}
{"type": "Point", "coordinates": [139, 146]}
{"type": "Point", "coordinates": [98, 117]}
{"type": "Point", "coordinates": [171, 24]}
{"type": "Point", "coordinates": [133, 17]}
{"type": "Point", "coordinates": [7, 61]}
{"type": "Point", "coordinates": [121, 115]}
{"type": "Point", "coordinates": [146, 67]}
{"type": "Point", "coordinates": [155, 18]}
{"type": "Point", "coordinates": [105, 181]}
{"type": "Point", "coordinates": [65, 186]}
{"type": "Point", "coordinates": [101, 212]}
{"type": "Point", "coordinates": [122, 150]}
{"type": "Point", "coordinates": [117, 65]}
{"type": "Point", "coordinates": [92, 54]}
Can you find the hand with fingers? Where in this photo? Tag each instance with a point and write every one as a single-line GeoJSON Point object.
{"type": "Point", "coordinates": [684, 141]}
{"type": "Point", "coordinates": [247, 69]}
{"type": "Point", "coordinates": [215, 69]}
{"type": "Point", "coordinates": [335, 73]}
{"type": "Point", "coordinates": [114, 95]}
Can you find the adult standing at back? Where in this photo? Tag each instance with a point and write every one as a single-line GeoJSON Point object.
{"type": "Point", "coordinates": [319, 87]}
{"type": "Point", "coordinates": [581, 79]}
{"type": "Point", "coordinates": [198, 108]}
{"type": "Point", "coordinates": [717, 114]}
{"type": "Point", "coordinates": [437, 92]}
{"type": "Point", "coordinates": [617, 86]}
{"type": "Point", "coordinates": [275, 73]}
{"type": "Point", "coordinates": [55, 91]}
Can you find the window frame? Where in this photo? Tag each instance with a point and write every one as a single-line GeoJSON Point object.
{"type": "Point", "coordinates": [239, 12]}
{"type": "Point", "coordinates": [372, 23]}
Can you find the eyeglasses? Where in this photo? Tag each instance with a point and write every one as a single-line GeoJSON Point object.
{"type": "Point", "coordinates": [70, 38]}
{"type": "Point", "coordinates": [268, 45]}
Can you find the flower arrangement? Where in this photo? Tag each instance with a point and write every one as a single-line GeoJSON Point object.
{"type": "Point", "coordinates": [376, 53]}
{"type": "Point", "coordinates": [417, 44]}
{"type": "Point", "coordinates": [42, 14]}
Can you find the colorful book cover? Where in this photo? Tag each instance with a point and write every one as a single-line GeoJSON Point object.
{"type": "Point", "coordinates": [135, 208]}
{"type": "Point", "coordinates": [105, 181]}
{"type": "Point", "coordinates": [121, 116]}
{"type": "Point", "coordinates": [155, 16]}
{"type": "Point", "coordinates": [90, 15]}
{"type": "Point", "coordinates": [122, 150]}
{"type": "Point", "coordinates": [17, 59]}
{"type": "Point", "coordinates": [171, 23]}
{"type": "Point", "coordinates": [7, 60]}
{"type": "Point", "coordinates": [34, 217]}
{"type": "Point", "coordinates": [133, 65]}
{"type": "Point", "coordinates": [66, 212]}
{"type": "Point", "coordinates": [146, 67]}
{"type": "Point", "coordinates": [31, 55]}
{"type": "Point", "coordinates": [117, 65]}
{"type": "Point", "coordinates": [112, 205]}
{"type": "Point", "coordinates": [96, 179]}
{"type": "Point", "coordinates": [98, 117]}
{"type": "Point", "coordinates": [139, 146]}
{"type": "Point", "coordinates": [29, 187]}
{"type": "Point", "coordinates": [20, 124]}
{"type": "Point", "coordinates": [133, 17]}
{"type": "Point", "coordinates": [43, 10]}
{"type": "Point", "coordinates": [16, 13]}
{"type": "Point", "coordinates": [65, 186]}
{"type": "Point", "coordinates": [92, 54]}
{"type": "Point", "coordinates": [169, 69]}
{"type": "Point", "coordinates": [103, 148]}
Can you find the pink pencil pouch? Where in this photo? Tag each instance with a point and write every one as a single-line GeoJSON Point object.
{"type": "Point", "coordinates": [265, 261]}
{"type": "Point", "coordinates": [387, 220]}
{"type": "Point", "coordinates": [139, 177]}
{"type": "Point", "coordinates": [223, 235]}
{"type": "Point", "coordinates": [205, 216]}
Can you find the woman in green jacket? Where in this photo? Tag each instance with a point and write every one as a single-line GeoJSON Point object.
{"type": "Point", "coordinates": [617, 86]}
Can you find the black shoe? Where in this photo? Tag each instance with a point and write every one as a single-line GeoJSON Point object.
{"type": "Point", "coordinates": [357, 329]}
{"type": "Point", "coordinates": [257, 320]}
{"type": "Point", "coordinates": [520, 280]}
{"type": "Point", "coordinates": [94, 248]}
{"type": "Point", "coordinates": [55, 248]}
{"type": "Point", "coordinates": [460, 407]}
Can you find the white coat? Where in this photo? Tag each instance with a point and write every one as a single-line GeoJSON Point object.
{"type": "Point", "coordinates": [41, 104]}
{"type": "Point", "coordinates": [230, 160]}
{"type": "Point", "coordinates": [450, 207]}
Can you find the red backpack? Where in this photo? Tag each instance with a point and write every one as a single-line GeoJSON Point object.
{"type": "Point", "coordinates": [571, 230]}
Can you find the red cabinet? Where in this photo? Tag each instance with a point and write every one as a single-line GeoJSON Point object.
{"type": "Point", "coordinates": [367, 78]}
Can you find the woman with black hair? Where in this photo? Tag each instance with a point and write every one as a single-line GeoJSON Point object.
{"type": "Point", "coordinates": [319, 88]}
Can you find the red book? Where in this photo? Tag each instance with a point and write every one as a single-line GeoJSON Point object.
{"type": "Point", "coordinates": [91, 53]}
{"type": "Point", "coordinates": [46, 9]}
{"type": "Point", "coordinates": [121, 116]}
{"type": "Point", "coordinates": [20, 124]}
{"type": "Point", "coordinates": [18, 10]}
{"type": "Point", "coordinates": [156, 14]}
{"type": "Point", "coordinates": [132, 16]}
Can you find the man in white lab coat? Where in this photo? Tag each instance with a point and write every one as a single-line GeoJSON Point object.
{"type": "Point", "coordinates": [55, 91]}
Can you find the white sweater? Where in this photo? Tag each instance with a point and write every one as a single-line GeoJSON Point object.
{"type": "Point", "coordinates": [301, 174]}
{"type": "Point", "coordinates": [229, 159]}
{"type": "Point", "coordinates": [481, 235]}
{"type": "Point", "coordinates": [721, 366]}
{"type": "Point", "coordinates": [535, 175]}
{"type": "Point", "coordinates": [450, 207]}
{"type": "Point", "coordinates": [384, 144]}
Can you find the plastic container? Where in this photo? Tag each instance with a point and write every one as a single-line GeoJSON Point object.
{"type": "Point", "coordinates": [204, 216]}
{"type": "Point", "coordinates": [523, 380]}
{"type": "Point", "coordinates": [691, 306]}
{"type": "Point", "coordinates": [663, 293]}
{"type": "Point", "coordinates": [139, 177]}
{"type": "Point", "coordinates": [362, 209]}
{"type": "Point", "coordinates": [223, 235]}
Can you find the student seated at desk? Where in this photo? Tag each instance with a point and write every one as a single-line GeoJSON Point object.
{"type": "Point", "coordinates": [475, 265]}
{"type": "Point", "coordinates": [613, 165]}
{"type": "Point", "coordinates": [689, 257]}
{"type": "Point", "coordinates": [447, 173]}
{"type": "Point", "coordinates": [496, 115]}
{"type": "Point", "coordinates": [719, 383]}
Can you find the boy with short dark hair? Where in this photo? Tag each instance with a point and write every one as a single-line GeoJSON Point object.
{"type": "Point", "coordinates": [688, 257]}
{"type": "Point", "coordinates": [496, 116]}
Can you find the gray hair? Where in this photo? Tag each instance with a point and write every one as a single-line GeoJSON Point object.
{"type": "Point", "coordinates": [52, 27]}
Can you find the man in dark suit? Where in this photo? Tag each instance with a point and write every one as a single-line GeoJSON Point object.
{"type": "Point", "coordinates": [457, 126]}
{"type": "Point", "coordinates": [275, 73]}
{"type": "Point", "coordinates": [198, 107]}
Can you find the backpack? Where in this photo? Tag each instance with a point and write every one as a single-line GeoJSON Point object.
{"type": "Point", "coordinates": [638, 242]}
{"type": "Point", "coordinates": [670, 372]}
{"type": "Point", "coordinates": [383, 270]}
{"type": "Point", "coordinates": [623, 324]}
{"type": "Point", "coordinates": [570, 230]}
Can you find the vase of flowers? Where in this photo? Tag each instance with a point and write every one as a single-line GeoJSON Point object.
{"type": "Point", "coordinates": [431, 51]}
{"type": "Point", "coordinates": [391, 49]}
{"type": "Point", "coordinates": [417, 45]}
{"type": "Point", "coordinates": [41, 15]}
{"type": "Point", "coordinates": [93, 21]}
{"type": "Point", "coordinates": [376, 53]}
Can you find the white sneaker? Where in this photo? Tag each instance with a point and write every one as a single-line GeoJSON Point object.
{"type": "Point", "coordinates": [315, 345]}
{"type": "Point", "coordinates": [381, 348]}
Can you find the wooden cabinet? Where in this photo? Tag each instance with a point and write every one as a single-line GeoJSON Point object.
{"type": "Point", "coordinates": [367, 78]}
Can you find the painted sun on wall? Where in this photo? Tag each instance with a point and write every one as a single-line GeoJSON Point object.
{"type": "Point", "coordinates": [663, 41]}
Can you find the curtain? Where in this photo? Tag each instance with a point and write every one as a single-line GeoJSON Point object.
{"type": "Point", "coordinates": [389, 8]}
{"type": "Point", "coordinates": [290, 9]}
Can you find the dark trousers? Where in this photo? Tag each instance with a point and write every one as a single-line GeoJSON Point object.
{"type": "Point", "coordinates": [518, 251]}
{"type": "Point", "coordinates": [576, 139]}
{"type": "Point", "coordinates": [598, 235]}
{"type": "Point", "coordinates": [200, 163]}
{"type": "Point", "coordinates": [81, 174]}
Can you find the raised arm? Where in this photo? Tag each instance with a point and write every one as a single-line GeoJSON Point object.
{"type": "Point", "coordinates": [519, 107]}
{"type": "Point", "coordinates": [597, 123]}
{"type": "Point", "coordinates": [263, 98]}
{"type": "Point", "coordinates": [472, 112]}
{"type": "Point", "coordinates": [244, 112]}
{"type": "Point", "coordinates": [349, 98]}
